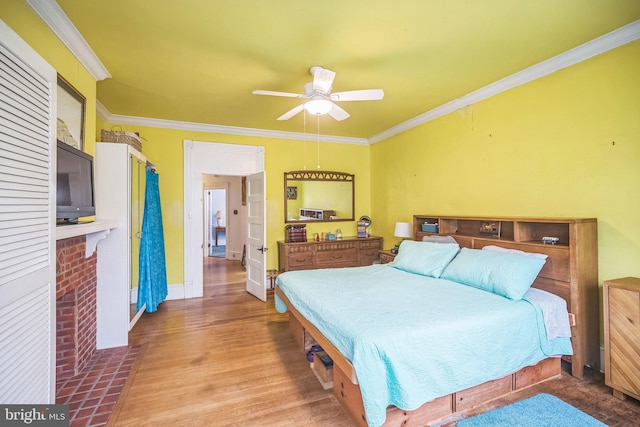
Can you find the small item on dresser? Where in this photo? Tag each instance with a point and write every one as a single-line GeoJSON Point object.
{"type": "Point", "coordinates": [338, 234]}
{"type": "Point", "coordinates": [295, 233]}
{"type": "Point", "coordinates": [550, 240]}
{"type": "Point", "coordinates": [363, 226]}
{"type": "Point", "coordinates": [316, 237]}
{"type": "Point", "coordinates": [330, 236]}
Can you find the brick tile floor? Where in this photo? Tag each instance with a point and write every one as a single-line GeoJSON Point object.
{"type": "Point", "coordinates": [92, 395]}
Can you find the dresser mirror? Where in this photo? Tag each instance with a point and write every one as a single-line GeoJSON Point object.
{"type": "Point", "coordinates": [318, 196]}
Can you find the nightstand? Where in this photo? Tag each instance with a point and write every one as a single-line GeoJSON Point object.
{"type": "Point", "coordinates": [386, 256]}
{"type": "Point", "coordinates": [621, 309]}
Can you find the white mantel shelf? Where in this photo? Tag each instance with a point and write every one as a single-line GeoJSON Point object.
{"type": "Point", "coordinates": [95, 231]}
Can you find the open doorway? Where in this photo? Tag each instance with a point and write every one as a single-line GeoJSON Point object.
{"type": "Point", "coordinates": [229, 160]}
{"type": "Point", "coordinates": [224, 216]}
{"type": "Point", "coordinates": [215, 224]}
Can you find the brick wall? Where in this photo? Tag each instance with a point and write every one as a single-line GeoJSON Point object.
{"type": "Point", "coordinates": [75, 306]}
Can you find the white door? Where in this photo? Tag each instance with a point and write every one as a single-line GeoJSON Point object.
{"type": "Point", "coordinates": [27, 224]}
{"type": "Point", "coordinates": [256, 236]}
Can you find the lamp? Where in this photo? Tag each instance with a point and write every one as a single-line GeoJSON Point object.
{"type": "Point", "coordinates": [403, 230]}
{"type": "Point", "coordinates": [219, 218]}
{"type": "Point", "coordinates": [318, 106]}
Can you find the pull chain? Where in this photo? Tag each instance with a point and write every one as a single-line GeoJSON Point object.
{"type": "Point", "coordinates": [304, 127]}
{"type": "Point", "coordinates": [318, 141]}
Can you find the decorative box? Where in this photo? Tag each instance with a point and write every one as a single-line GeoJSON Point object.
{"type": "Point", "coordinates": [430, 228]}
{"type": "Point", "coordinates": [322, 367]}
{"type": "Point", "coordinates": [295, 233]}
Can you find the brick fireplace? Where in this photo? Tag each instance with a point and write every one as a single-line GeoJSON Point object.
{"type": "Point", "coordinates": [76, 282]}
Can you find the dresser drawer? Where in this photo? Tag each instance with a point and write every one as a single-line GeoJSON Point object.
{"type": "Point", "coordinates": [345, 252]}
{"type": "Point", "coordinates": [301, 261]}
{"type": "Point", "coordinates": [338, 258]}
{"type": "Point", "coordinates": [371, 244]}
{"type": "Point", "coordinates": [369, 256]}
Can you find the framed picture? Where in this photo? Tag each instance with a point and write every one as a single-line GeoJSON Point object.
{"type": "Point", "coordinates": [292, 193]}
{"type": "Point", "coordinates": [71, 106]}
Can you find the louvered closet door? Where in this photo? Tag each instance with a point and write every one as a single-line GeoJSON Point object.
{"type": "Point", "coordinates": [27, 251]}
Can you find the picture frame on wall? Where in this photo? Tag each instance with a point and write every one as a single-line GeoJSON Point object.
{"type": "Point", "coordinates": [292, 193]}
{"type": "Point", "coordinates": [71, 113]}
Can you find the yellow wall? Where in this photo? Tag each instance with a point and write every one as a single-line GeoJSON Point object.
{"type": "Point", "coordinates": [24, 21]}
{"type": "Point", "coordinates": [566, 145]}
{"type": "Point", "coordinates": [164, 147]}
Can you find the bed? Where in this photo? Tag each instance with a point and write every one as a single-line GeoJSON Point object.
{"type": "Point", "coordinates": [439, 330]}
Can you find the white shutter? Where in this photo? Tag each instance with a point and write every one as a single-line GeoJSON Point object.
{"type": "Point", "coordinates": [27, 250]}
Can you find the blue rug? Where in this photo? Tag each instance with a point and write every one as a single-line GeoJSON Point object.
{"type": "Point", "coordinates": [541, 410]}
{"type": "Point", "coordinates": [218, 251]}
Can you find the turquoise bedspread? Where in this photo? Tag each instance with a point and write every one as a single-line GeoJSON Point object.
{"type": "Point", "coordinates": [412, 338]}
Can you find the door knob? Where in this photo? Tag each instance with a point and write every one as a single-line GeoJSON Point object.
{"type": "Point", "coordinates": [263, 249]}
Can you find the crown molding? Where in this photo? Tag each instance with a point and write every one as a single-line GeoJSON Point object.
{"type": "Point", "coordinates": [55, 18]}
{"type": "Point", "coordinates": [102, 111]}
{"type": "Point", "coordinates": [227, 130]}
{"type": "Point", "coordinates": [612, 40]}
{"type": "Point", "coordinates": [60, 24]}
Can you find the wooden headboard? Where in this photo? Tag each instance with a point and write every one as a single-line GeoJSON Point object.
{"type": "Point", "coordinates": [571, 269]}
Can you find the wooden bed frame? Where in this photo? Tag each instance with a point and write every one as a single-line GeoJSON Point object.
{"type": "Point", "coordinates": [347, 390]}
{"type": "Point", "coordinates": [575, 259]}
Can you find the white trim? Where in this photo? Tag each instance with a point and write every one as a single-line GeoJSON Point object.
{"type": "Point", "coordinates": [225, 130]}
{"type": "Point", "coordinates": [102, 111]}
{"type": "Point", "coordinates": [208, 158]}
{"type": "Point", "coordinates": [13, 41]}
{"type": "Point", "coordinates": [61, 25]}
{"type": "Point", "coordinates": [602, 44]}
{"type": "Point", "coordinates": [175, 291]}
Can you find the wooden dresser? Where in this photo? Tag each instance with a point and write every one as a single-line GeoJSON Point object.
{"type": "Point", "coordinates": [346, 252]}
{"type": "Point", "coordinates": [621, 309]}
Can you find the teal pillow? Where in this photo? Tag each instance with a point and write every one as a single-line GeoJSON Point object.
{"type": "Point", "coordinates": [506, 274]}
{"type": "Point", "coordinates": [425, 258]}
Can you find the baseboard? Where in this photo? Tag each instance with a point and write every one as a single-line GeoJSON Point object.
{"type": "Point", "coordinates": [176, 291]}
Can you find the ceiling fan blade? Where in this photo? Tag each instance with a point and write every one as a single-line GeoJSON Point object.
{"type": "Point", "coordinates": [338, 113]}
{"type": "Point", "coordinates": [291, 113]}
{"type": "Point", "coordinates": [358, 95]}
{"type": "Point", "coordinates": [274, 93]}
{"type": "Point", "coordinates": [322, 79]}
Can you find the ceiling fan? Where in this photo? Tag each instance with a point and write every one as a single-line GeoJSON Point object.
{"type": "Point", "coordinates": [320, 99]}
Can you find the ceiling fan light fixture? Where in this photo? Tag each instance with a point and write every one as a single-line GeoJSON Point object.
{"type": "Point", "coordinates": [318, 107]}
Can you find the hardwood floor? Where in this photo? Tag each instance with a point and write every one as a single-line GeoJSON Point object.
{"type": "Point", "coordinates": [228, 359]}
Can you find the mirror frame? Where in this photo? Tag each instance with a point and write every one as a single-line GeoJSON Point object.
{"type": "Point", "coordinates": [326, 176]}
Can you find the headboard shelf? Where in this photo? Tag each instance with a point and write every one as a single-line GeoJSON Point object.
{"type": "Point", "coordinates": [571, 269]}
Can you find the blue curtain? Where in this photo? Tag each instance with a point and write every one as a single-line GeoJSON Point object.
{"type": "Point", "coordinates": [152, 286]}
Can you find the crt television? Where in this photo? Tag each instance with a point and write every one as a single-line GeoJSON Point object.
{"type": "Point", "coordinates": [75, 196]}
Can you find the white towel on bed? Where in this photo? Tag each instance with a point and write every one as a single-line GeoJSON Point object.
{"type": "Point", "coordinates": [554, 312]}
